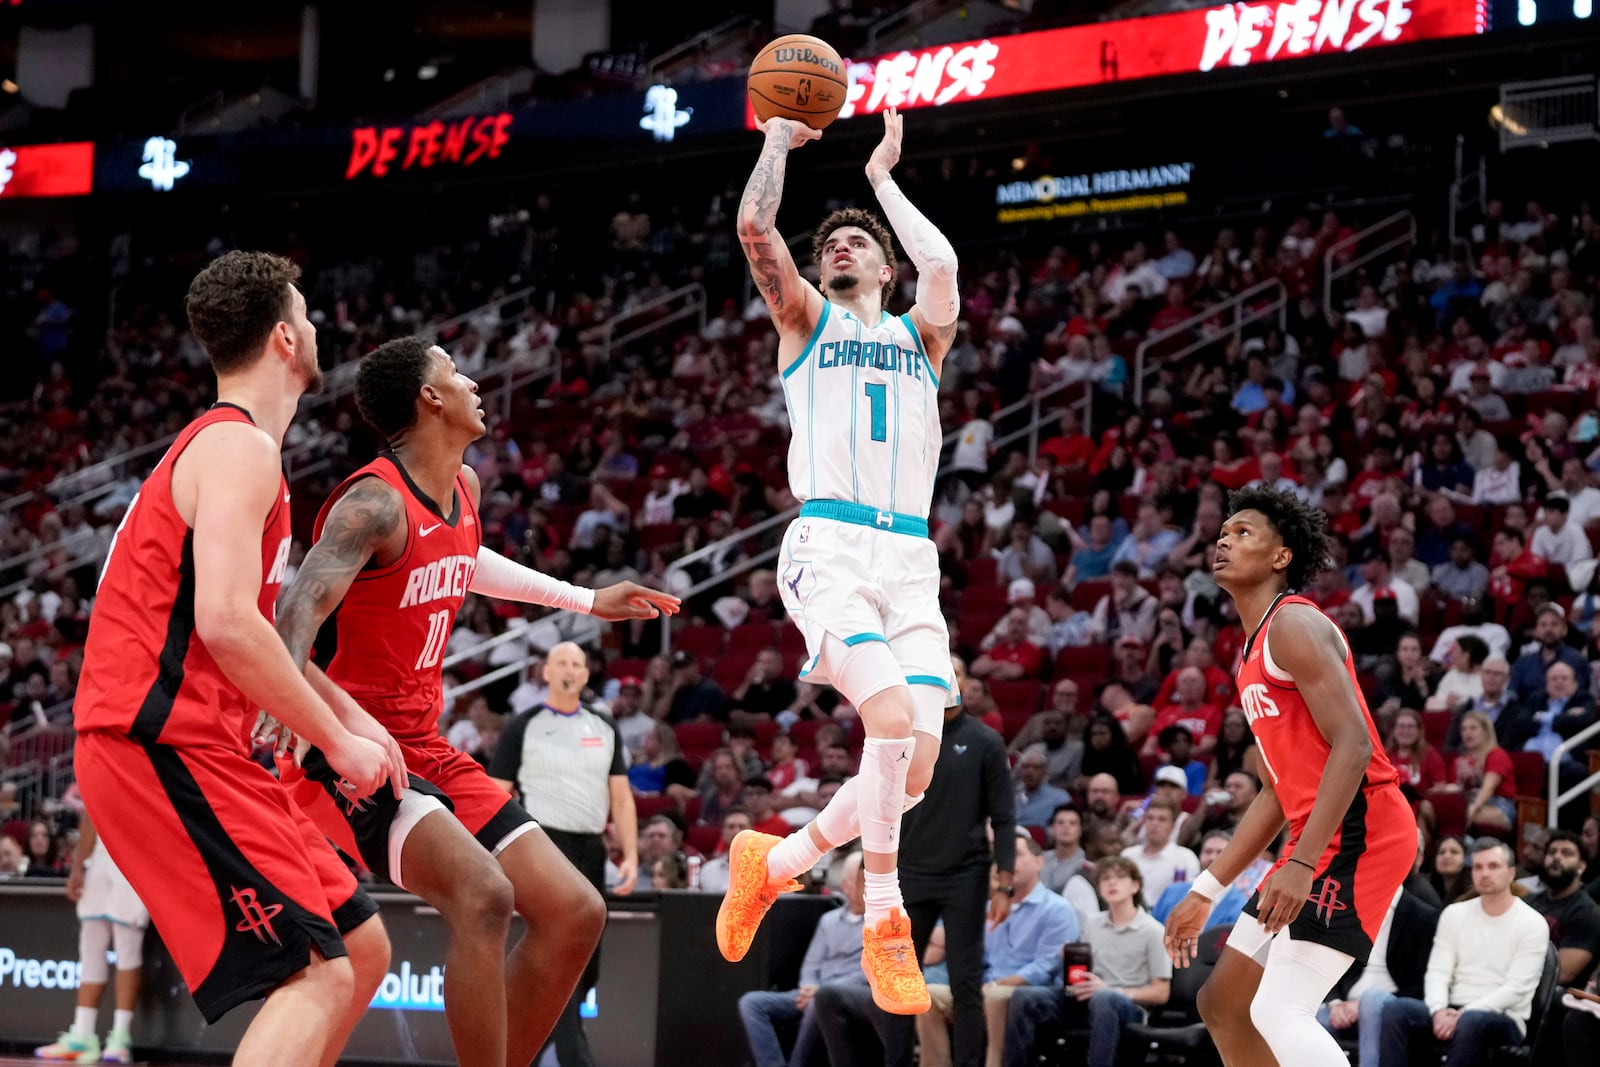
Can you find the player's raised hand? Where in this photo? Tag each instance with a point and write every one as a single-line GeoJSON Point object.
{"type": "Point", "coordinates": [629, 600]}
{"type": "Point", "coordinates": [887, 154]}
{"type": "Point", "coordinates": [1184, 924]}
{"type": "Point", "coordinates": [797, 133]}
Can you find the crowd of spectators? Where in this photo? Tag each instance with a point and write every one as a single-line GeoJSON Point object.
{"type": "Point", "coordinates": [1443, 412]}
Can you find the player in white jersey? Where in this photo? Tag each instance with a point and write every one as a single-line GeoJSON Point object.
{"type": "Point", "coordinates": [858, 573]}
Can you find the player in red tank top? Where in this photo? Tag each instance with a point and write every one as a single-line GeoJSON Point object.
{"type": "Point", "coordinates": [1352, 836]}
{"type": "Point", "coordinates": [398, 547]}
{"type": "Point", "coordinates": [249, 899]}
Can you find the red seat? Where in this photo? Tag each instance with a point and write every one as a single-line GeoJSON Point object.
{"type": "Point", "coordinates": [1019, 696]}
{"type": "Point", "coordinates": [765, 732]}
{"type": "Point", "coordinates": [1086, 594]}
{"type": "Point", "coordinates": [1435, 725]}
{"type": "Point", "coordinates": [627, 668]}
{"type": "Point", "coordinates": [1532, 780]}
{"type": "Point", "coordinates": [660, 535]}
{"type": "Point", "coordinates": [691, 810]}
{"type": "Point", "coordinates": [704, 839]}
{"type": "Point", "coordinates": [1089, 659]}
{"type": "Point", "coordinates": [1013, 721]}
{"type": "Point", "coordinates": [702, 641]}
{"type": "Point", "coordinates": [983, 571]}
{"type": "Point", "coordinates": [729, 671]}
{"type": "Point", "coordinates": [751, 638]}
{"type": "Point", "coordinates": [804, 733]}
{"type": "Point", "coordinates": [984, 598]}
{"type": "Point", "coordinates": [1451, 810]}
{"type": "Point", "coordinates": [1038, 834]}
{"type": "Point", "coordinates": [649, 807]}
{"type": "Point", "coordinates": [1191, 804]}
{"type": "Point", "coordinates": [698, 739]}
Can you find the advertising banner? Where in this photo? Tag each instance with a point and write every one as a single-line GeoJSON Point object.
{"type": "Point", "coordinates": [41, 170]}
{"type": "Point", "coordinates": [1186, 42]}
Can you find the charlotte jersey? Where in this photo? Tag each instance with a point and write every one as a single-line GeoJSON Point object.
{"type": "Point", "coordinates": [394, 622]}
{"type": "Point", "coordinates": [864, 406]}
{"type": "Point", "coordinates": [146, 673]}
{"type": "Point", "coordinates": [1292, 747]}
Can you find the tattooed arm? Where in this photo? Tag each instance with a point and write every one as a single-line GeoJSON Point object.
{"type": "Point", "coordinates": [794, 303]}
{"type": "Point", "coordinates": [368, 520]}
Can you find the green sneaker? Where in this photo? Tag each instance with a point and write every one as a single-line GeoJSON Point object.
{"type": "Point", "coordinates": [118, 1048]}
{"type": "Point", "coordinates": [71, 1048]}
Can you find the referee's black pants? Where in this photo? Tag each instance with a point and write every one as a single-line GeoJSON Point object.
{"type": "Point", "coordinates": [959, 897]}
{"type": "Point", "coordinates": [587, 852]}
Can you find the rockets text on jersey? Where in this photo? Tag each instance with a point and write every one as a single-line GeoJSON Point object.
{"type": "Point", "coordinates": [395, 621]}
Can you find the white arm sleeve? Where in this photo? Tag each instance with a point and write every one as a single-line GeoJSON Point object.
{"type": "Point", "coordinates": [931, 251]}
{"type": "Point", "coordinates": [504, 579]}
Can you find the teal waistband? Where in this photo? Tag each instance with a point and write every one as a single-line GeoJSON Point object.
{"type": "Point", "coordinates": [862, 515]}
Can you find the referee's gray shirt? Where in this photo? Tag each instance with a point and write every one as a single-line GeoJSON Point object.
{"type": "Point", "coordinates": [562, 765]}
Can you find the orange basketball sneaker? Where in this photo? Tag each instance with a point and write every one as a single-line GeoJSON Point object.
{"type": "Point", "coordinates": [890, 961]}
{"type": "Point", "coordinates": [750, 893]}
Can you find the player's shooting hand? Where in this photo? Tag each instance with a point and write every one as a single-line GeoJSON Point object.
{"type": "Point", "coordinates": [798, 133]}
{"type": "Point", "coordinates": [1184, 924]}
{"type": "Point", "coordinates": [887, 154]}
{"type": "Point", "coordinates": [629, 600]}
{"type": "Point", "coordinates": [1283, 894]}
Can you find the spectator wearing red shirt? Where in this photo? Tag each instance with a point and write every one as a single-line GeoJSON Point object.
{"type": "Point", "coordinates": [1512, 566]}
{"type": "Point", "coordinates": [1420, 765]}
{"type": "Point", "coordinates": [1485, 773]}
{"type": "Point", "coordinates": [1192, 711]}
{"type": "Point", "coordinates": [1073, 447]}
{"type": "Point", "coordinates": [764, 818]}
{"type": "Point", "coordinates": [786, 765]}
{"type": "Point", "coordinates": [1014, 657]}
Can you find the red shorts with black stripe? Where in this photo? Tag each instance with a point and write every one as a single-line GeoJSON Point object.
{"type": "Point", "coordinates": [241, 885]}
{"type": "Point", "coordinates": [1357, 875]}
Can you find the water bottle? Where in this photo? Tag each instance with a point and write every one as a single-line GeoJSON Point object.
{"type": "Point", "coordinates": [694, 871]}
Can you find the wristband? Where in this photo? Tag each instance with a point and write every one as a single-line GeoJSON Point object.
{"type": "Point", "coordinates": [1207, 886]}
{"type": "Point", "coordinates": [1303, 863]}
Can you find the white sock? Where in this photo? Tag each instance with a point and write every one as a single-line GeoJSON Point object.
{"type": "Point", "coordinates": [882, 893]}
{"type": "Point", "coordinates": [795, 854]}
{"type": "Point", "coordinates": [83, 1020]}
{"type": "Point", "coordinates": [123, 1020]}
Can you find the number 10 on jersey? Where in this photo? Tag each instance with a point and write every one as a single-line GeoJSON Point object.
{"type": "Point", "coordinates": [878, 398]}
{"type": "Point", "coordinates": [438, 635]}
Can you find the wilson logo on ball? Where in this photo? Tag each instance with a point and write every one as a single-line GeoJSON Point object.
{"type": "Point", "coordinates": [805, 55]}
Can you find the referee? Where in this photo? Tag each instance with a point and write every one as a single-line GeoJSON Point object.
{"type": "Point", "coordinates": [570, 766]}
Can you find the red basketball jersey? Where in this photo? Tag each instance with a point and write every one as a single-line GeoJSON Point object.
{"type": "Point", "coordinates": [1292, 748]}
{"type": "Point", "coordinates": [394, 622]}
{"type": "Point", "coordinates": [146, 673]}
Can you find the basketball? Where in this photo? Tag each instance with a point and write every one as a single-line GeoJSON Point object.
{"type": "Point", "coordinates": [799, 77]}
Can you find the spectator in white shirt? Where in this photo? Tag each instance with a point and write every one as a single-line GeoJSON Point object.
{"type": "Point", "coordinates": [1484, 399]}
{"type": "Point", "coordinates": [1369, 312]}
{"type": "Point", "coordinates": [1163, 862]}
{"type": "Point", "coordinates": [974, 446]}
{"type": "Point", "coordinates": [1488, 956]}
{"type": "Point", "coordinates": [1584, 499]}
{"type": "Point", "coordinates": [1480, 359]}
{"type": "Point", "coordinates": [1379, 581]}
{"type": "Point", "coordinates": [1272, 474]}
{"type": "Point", "coordinates": [1501, 481]}
{"type": "Point", "coordinates": [664, 489]}
{"type": "Point", "coordinates": [1021, 593]}
{"type": "Point", "coordinates": [1558, 539]}
{"type": "Point", "coordinates": [1403, 564]}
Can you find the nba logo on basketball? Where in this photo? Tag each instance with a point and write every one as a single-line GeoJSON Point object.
{"type": "Point", "coordinates": [1257, 704]}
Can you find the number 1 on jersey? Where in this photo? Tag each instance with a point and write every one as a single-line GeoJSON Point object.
{"type": "Point", "coordinates": [878, 396]}
{"type": "Point", "coordinates": [438, 635]}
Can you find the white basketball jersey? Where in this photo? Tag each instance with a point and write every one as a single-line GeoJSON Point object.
{"type": "Point", "coordinates": [864, 406]}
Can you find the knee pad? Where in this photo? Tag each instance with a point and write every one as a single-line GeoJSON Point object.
{"type": "Point", "coordinates": [94, 940]}
{"type": "Point", "coordinates": [129, 943]}
{"type": "Point", "coordinates": [1294, 984]}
